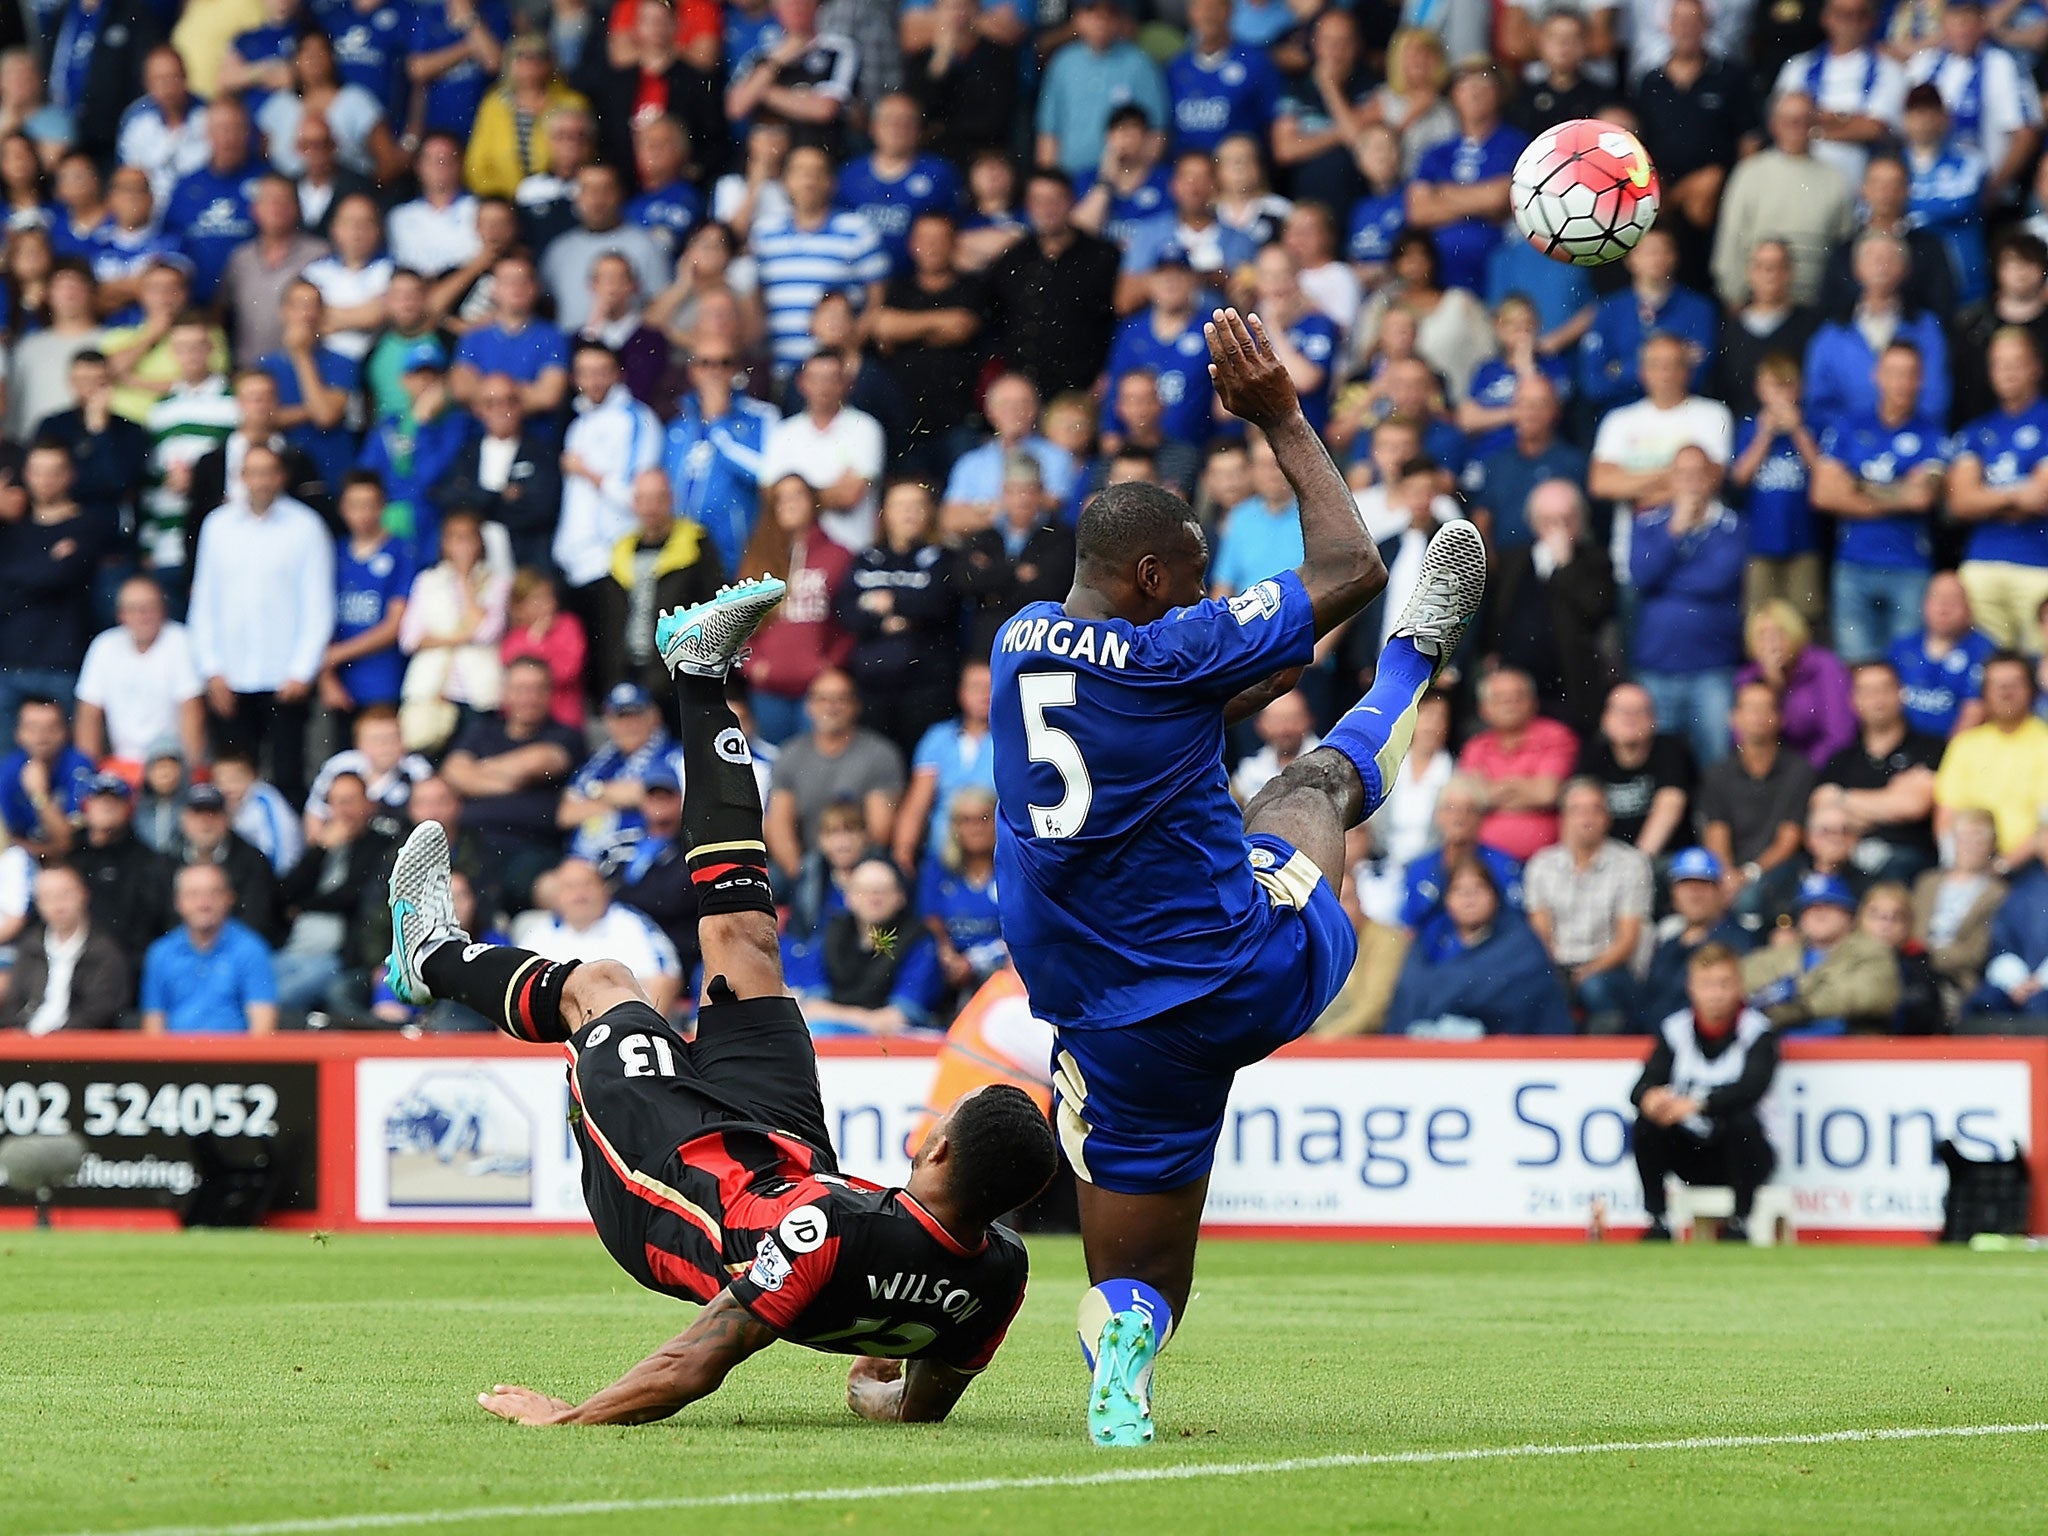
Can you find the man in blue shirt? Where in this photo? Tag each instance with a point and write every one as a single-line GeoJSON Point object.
{"type": "Point", "coordinates": [1166, 340]}
{"type": "Point", "coordinates": [1653, 303]}
{"type": "Point", "coordinates": [1686, 563]}
{"type": "Point", "coordinates": [1130, 186]}
{"type": "Point", "coordinates": [1999, 485]}
{"type": "Point", "coordinates": [515, 343]}
{"type": "Point", "coordinates": [668, 208]}
{"type": "Point", "coordinates": [209, 211]}
{"type": "Point", "coordinates": [1941, 669]}
{"type": "Point", "coordinates": [1498, 485]}
{"type": "Point", "coordinates": [315, 384]}
{"type": "Point", "coordinates": [895, 184]}
{"type": "Point", "coordinates": [1088, 79]}
{"type": "Point", "coordinates": [455, 52]}
{"type": "Point", "coordinates": [713, 452]}
{"type": "Point", "coordinates": [1882, 475]}
{"type": "Point", "coordinates": [1261, 535]}
{"type": "Point", "coordinates": [211, 976]}
{"type": "Point", "coordinates": [1841, 363]}
{"type": "Point", "coordinates": [44, 779]}
{"type": "Point", "coordinates": [1219, 87]}
{"type": "Point", "coordinates": [1167, 936]}
{"type": "Point", "coordinates": [373, 574]}
{"type": "Point", "coordinates": [1460, 188]}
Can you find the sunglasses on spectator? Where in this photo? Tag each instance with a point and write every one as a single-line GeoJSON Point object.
{"type": "Point", "coordinates": [714, 362]}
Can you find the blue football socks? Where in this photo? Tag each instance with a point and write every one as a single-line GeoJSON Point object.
{"type": "Point", "coordinates": [1375, 732]}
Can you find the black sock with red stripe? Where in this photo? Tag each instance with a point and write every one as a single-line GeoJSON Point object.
{"type": "Point", "coordinates": [721, 803]}
{"type": "Point", "coordinates": [514, 988]}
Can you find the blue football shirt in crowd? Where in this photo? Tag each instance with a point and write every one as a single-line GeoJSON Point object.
{"type": "Point", "coordinates": [1146, 201]}
{"type": "Point", "coordinates": [1315, 337]}
{"type": "Point", "coordinates": [1493, 385]}
{"type": "Point", "coordinates": [1216, 95]}
{"type": "Point", "coordinates": [270, 43]}
{"type": "Point", "coordinates": [365, 587]}
{"type": "Point", "coordinates": [524, 354]}
{"type": "Point", "coordinates": [1376, 223]}
{"type": "Point", "coordinates": [1181, 365]}
{"type": "Point", "coordinates": [668, 213]}
{"type": "Point", "coordinates": [2008, 447]}
{"type": "Point", "coordinates": [209, 215]}
{"type": "Point", "coordinates": [1779, 501]}
{"type": "Point", "coordinates": [370, 47]}
{"type": "Point", "coordinates": [1936, 688]}
{"type": "Point", "coordinates": [1464, 244]}
{"type": "Point", "coordinates": [890, 204]}
{"type": "Point", "coordinates": [332, 449]}
{"type": "Point", "coordinates": [454, 95]}
{"type": "Point", "coordinates": [966, 910]}
{"type": "Point", "coordinates": [1120, 854]}
{"type": "Point", "coordinates": [1882, 455]}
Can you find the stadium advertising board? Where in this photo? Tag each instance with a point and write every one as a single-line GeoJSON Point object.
{"type": "Point", "coordinates": [139, 1121]}
{"type": "Point", "coordinates": [1441, 1145]}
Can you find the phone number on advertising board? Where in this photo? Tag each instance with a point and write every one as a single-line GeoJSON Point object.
{"type": "Point", "coordinates": [134, 1109]}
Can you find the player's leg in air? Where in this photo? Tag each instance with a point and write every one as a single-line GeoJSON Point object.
{"type": "Point", "coordinates": [539, 1000]}
{"type": "Point", "coordinates": [1140, 1247]}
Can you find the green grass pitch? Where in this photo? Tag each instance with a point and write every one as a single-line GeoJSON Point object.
{"type": "Point", "coordinates": [209, 1381]}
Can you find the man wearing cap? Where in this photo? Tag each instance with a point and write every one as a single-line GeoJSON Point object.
{"type": "Point", "coordinates": [601, 805]}
{"type": "Point", "coordinates": [262, 614]}
{"type": "Point", "coordinates": [1101, 70]}
{"type": "Point", "coordinates": [210, 975]}
{"type": "Point", "coordinates": [1828, 977]}
{"type": "Point", "coordinates": [667, 562]}
{"type": "Point", "coordinates": [205, 837]}
{"type": "Point", "coordinates": [130, 883]}
{"type": "Point", "coordinates": [1700, 916]}
{"type": "Point", "coordinates": [653, 874]}
{"type": "Point", "coordinates": [412, 448]}
{"type": "Point", "coordinates": [1460, 189]}
{"type": "Point", "coordinates": [1696, 1102]}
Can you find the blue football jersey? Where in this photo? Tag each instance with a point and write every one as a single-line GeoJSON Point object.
{"type": "Point", "coordinates": [1880, 455]}
{"type": "Point", "coordinates": [1180, 364]}
{"type": "Point", "coordinates": [1778, 506]}
{"type": "Point", "coordinates": [892, 205]}
{"type": "Point", "coordinates": [2008, 447]}
{"type": "Point", "coordinates": [1119, 852]}
{"type": "Point", "coordinates": [1935, 689]}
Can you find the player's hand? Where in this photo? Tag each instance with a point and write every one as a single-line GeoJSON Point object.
{"type": "Point", "coordinates": [523, 1405]}
{"type": "Point", "coordinates": [1249, 379]}
{"type": "Point", "coordinates": [874, 1389]}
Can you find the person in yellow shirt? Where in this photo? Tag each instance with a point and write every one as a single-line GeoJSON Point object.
{"type": "Point", "coordinates": [500, 155]}
{"type": "Point", "coordinates": [203, 34]}
{"type": "Point", "coordinates": [2000, 766]}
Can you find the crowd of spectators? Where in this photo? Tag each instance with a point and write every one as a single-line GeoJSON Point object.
{"type": "Point", "coordinates": [376, 372]}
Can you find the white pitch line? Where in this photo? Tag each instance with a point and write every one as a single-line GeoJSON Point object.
{"type": "Point", "coordinates": [1180, 1472]}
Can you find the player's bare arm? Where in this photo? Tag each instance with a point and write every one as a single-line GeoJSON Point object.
{"type": "Point", "coordinates": [899, 1392]}
{"type": "Point", "coordinates": [1341, 567]}
{"type": "Point", "coordinates": [690, 1366]}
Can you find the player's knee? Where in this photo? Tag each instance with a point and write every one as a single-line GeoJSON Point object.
{"type": "Point", "coordinates": [593, 986]}
{"type": "Point", "coordinates": [1325, 775]}
{"type": "Point", "coordinates": [745, 949]}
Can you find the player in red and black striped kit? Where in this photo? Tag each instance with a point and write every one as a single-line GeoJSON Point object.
{"type": "Point", "coordinates": [706, 1162]}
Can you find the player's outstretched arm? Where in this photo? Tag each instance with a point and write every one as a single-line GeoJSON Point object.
{"type": "Point", "coordinates": [1341, 567]}
{"type": "Point", "coordinates": [691, 1365]}
{"type": "Point", "coordinates": [892, 1392]}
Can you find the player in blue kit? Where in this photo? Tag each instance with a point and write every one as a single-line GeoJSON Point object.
{"type": "Point", "coordinates": [1167, 937]}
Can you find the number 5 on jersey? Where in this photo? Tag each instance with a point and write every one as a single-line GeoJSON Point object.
{"type": "Point", "coordinates": [1039, 692]}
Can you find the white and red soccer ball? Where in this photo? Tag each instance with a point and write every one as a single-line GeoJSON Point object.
{"type": "Point", "coordinates": [1584, 192]}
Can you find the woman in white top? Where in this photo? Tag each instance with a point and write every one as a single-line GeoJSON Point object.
{"type": "Point", "coordinates": [362, 138]}
{"type": "Point", "coordinates": [1453, 332]}
{"type": "Point", "coordinates": [453, 622]}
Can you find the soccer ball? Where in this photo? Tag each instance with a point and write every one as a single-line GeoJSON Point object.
{"type": "Point", "coordinates": [1584, 192]}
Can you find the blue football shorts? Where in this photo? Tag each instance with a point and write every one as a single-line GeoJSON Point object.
{"type": "Point", "coordinates": [1140, 1106]}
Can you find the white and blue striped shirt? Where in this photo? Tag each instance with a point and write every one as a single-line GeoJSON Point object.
{"type": "Point", "coordinates": [798, 267]}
